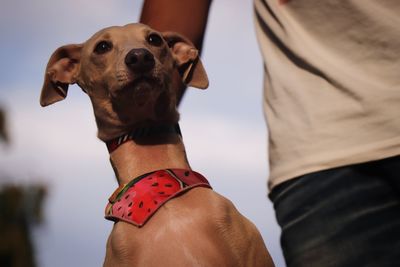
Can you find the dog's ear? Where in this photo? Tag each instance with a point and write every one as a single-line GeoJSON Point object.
{"type": "Point", "coordinates": [61, 71]}
{"type": "Point", "coordinates": [187, 60]}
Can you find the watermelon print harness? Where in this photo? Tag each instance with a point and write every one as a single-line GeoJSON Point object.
{"type": "Point", "coordinates": [136, 201]}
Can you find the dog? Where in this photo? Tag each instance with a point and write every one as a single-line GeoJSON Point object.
{"type": "Point", "coordinates": [164, 213]}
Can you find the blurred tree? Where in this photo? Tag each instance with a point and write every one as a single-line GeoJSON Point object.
{"type": "Point", "coordinates": [20, 209]}
{"type": "Point", "coordinates": [3, 123]}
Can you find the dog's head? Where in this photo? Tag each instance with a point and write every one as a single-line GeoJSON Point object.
{"type": "Point", "coordinates": [127, 72]}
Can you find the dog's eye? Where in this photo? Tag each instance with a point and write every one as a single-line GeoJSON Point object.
{"type": "Point", "coordinates": [155, 39]}
{"type": "Point", "coordinates": [103, 47]}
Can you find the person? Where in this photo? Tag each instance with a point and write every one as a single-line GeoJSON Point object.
{"type": "Point", "coordinates": [332, 103]}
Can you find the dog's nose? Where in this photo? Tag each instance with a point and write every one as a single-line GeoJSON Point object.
{"type": "Point", "coordinates": [140, 59]}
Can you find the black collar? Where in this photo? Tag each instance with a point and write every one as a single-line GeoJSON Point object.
{"type": "Point", "coordinates": [143, 132]}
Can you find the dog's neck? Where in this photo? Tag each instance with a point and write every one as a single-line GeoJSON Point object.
{"type": "Point", "coordinates": [134, 158]}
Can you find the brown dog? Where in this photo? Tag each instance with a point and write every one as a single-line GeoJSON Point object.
{"type": "Point", "coordinates": [127, 73]}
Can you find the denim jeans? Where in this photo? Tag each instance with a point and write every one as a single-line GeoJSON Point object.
{"type": "Point", "coordinates": [347, 216]}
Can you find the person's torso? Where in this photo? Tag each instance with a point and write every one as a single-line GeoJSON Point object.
{"type": "Point", "coordinates": [332, 81]}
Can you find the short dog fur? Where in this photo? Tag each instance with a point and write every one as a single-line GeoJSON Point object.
{"type": "Point", "coordinates": [127, 73]}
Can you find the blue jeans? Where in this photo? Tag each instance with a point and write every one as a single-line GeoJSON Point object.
{"type": "Point", "coordinates": [347, 216]}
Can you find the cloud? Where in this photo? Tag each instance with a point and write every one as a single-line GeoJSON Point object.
{"type": "Point", "coordinates": [43, 15]}
{"type": "Point", "coordinates": [32, 30]}
{"type": "Point", "coordinates": [234, 139]}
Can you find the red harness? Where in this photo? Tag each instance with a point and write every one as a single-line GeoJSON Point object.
{"type": "Point", "coordinates": [138, 200]}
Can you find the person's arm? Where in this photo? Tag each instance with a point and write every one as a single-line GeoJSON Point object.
{"type": "Point", "coordinates": [187, 17]}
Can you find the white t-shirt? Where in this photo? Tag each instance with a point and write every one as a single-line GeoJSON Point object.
{"type": "Point", "coordinates": [332, 82]}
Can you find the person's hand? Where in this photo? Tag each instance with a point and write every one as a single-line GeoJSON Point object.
{"type": "Point", "coordinates": [188, 18]}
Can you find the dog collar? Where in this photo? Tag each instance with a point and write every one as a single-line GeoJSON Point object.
{"type": "Point", "coordinates": [142, 132]}
{"type": "Point", "coordinates": [138, 200]}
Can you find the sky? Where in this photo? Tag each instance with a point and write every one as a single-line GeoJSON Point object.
{"type": "Point", "coordinates": [223, 127]}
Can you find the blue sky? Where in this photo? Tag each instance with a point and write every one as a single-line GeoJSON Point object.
{"type": "Point", "coordinates": [223, 127]}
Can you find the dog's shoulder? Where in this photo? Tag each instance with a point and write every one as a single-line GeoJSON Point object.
{"type": "Point", "coordinates": [196, 221]}
{"type": "Point", "coordinates": [214, 213]}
